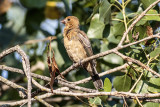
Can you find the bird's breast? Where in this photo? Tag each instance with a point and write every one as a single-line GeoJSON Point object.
{"type": "Point", "coordinates": [74, 49]}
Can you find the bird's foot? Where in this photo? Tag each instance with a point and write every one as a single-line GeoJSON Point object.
{"type": "Point", "coordinates": [80, 63]}
{"type": "Point", "coordinates": [74, 65]}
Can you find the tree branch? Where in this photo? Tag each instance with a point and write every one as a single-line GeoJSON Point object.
{"type": "Point", "coordinates": [106, 53]}
{"type": "Point", "coordinates": [135, 21]}
{"type": "Point", "coordinates": [26, 66]}
{"type": "Point", "coordinates": [22, 90]}
{"type": "Point", "coordinates": [102, 74]}
{"type": "Point", "coordinates": [129, 59]}
{"type": "Point", "coordinates": [3, 67]}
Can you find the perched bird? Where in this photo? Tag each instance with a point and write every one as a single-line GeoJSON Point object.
{"type": "Point", "coordinates": [78, 48]}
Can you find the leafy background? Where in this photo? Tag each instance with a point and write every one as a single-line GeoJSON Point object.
{"type": "Point", "coordinates": [104, 21]}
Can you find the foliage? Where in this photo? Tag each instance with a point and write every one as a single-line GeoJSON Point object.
{"type": "Point", "coordinates": [107, 85]}
{"type": "Point", "coordinates": [105, 22]}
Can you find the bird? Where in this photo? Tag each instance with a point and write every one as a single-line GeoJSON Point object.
{"type": "Point", "coordinates": [78, 47]}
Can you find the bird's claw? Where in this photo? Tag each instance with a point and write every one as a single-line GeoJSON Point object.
{"type": "Point", "coordinates": [74, 66]}
{"type": "Point", "coordinates": [80, 63]}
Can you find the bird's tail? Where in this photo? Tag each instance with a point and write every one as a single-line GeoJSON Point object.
{"type": "Point", "coordinates": [90, 67]}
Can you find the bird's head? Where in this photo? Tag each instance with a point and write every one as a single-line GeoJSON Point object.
{"type": "Point", "coordinates": [71, 22]}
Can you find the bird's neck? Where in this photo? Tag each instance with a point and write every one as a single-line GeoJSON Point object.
{"type": "Point", "coordinates": [67, 29]}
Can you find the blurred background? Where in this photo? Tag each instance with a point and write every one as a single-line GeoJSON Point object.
{"type": "Point", "coordinates": [29, 23]}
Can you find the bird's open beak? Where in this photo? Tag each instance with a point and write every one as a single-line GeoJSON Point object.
{"type": "Point", "coordinates": [63, 21]}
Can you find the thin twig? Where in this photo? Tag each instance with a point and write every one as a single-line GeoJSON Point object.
{"type": "Point", "coordinates": [136, 83]}
{"type": "Point", "coordinates": [102, 74]}
{"type": "Point", "coordinates": [125, 103]}
{"type": "Point", "coordinates": [135, 21]}
{"type": "Point", "coordinates": [137, 62]}
{"type": "Point", "coordinates": [12, 84]}
{"type": "Point", "coordinates": [138, 78]}
{"type": "Point", "coordinates": [4, 67]}
{"type": "Point", "coordinates": [153, 100]}
{"type": "Point", "coordinates": [124, 18]}
{"type": "Point", "coordinates": [39, 40]}
{"type": "Point", "coordinates": [14, 103]}
{"type": "Point", "coordinates": [43, 102]}
{"type": "Point", "coordinates": [139, 102]}
{"type": "Point", "coordinates": [119, 94]}
{"type": "Point", "coordinates": [26, 67]}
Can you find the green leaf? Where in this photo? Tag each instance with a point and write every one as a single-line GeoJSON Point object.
{"type": "Point", "coordinates": [107, 105]}
{"type": "Point", "coordinates": [142, 31]}
{"type": "Point", "coordinates": [118, 29]}
{"type": "Point", "coordinates": [148, 74]}
{"type": "Point", "coordinates": [118, 105]}
{"type": "Point", "coordinates": [158, 67]}
{"type": "Point", "coordinates": [122, 83]}
{"type": "Point", "coordinates": [147, 3]}
{"type": "Point", "coordinates": [112, 1]}
{"type": "Point", "coordinates": [95, 101]}
{"type": "Point", "coordinates": [128, 13]}
{"type": "Point", "coordinates": [33, 3]}
{"type": "Point", "coordinates": [95, 9]}
{"type": "Point", "coordinates": [113, 59]}
{"type": "Point", "coordinates": [155, 52]}
{"type": "Point", "coordinates": [150, 42]}
{"type": "Point", "coordinates": [141, 87]}
{"type": "Point", "coordinates": [154, 85]}
{"type": "Point", "coordinates": [107, 85]}
{"type": "Point", "coordinates": [141, 22]}
{"type": "Point", "coordinates": [96, 28]}
{"type": "Point", "coordinates": [152, 15]}
{"type": "Point", "coordinates": [105, 11]}
{"type": "Point", "coordinates": [132, 72]}
{"type": "Point", "coordinates": [150, 104]}
{"type": "Point", "coordinates": [112, 38]}
{"type": "Point", "coordinates": [119, 16]}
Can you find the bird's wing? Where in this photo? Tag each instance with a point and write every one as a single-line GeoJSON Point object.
{"type": "Point", "coordinates": [86, 44]}
{"type": "Point", "coordinates": [82, 37]}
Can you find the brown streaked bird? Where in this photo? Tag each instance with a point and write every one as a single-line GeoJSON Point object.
{"type": "Point", "coordinates": [78, 48]}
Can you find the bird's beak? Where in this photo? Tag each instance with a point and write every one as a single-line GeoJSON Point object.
{"type": "Point", "coordinates": [63, 21]}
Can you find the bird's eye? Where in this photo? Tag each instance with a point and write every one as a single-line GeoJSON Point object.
{"type": "Point", "coordinates": [68, 19]}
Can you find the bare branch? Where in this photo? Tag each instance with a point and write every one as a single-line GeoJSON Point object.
{"type": "Point", "coordinates": [137, 62]}
{"type": "Point", "coordinates": [102, 74]}
{"type": "Point", "coordinates": [106, 53]}
{"type": "Point", "coordinates": [136, 83]}
{"type": "Point", "coordinates": [14, 103]}
{"type": "Point", "coordinates": [153, 100]}
{"type": "Point", "coordinates": [40, 40]}
{"type": "Point", "coordinates": [12, 84]}
{"type": "Point", "coordinates": [26, 67]}
{"type": "Point", "coordinates": [139, 102]}
{"type": "Point", "coordinates": [136, 20]}
{"type": "Point", "coordinates": [43, 102]}
{"type": "Point", "coordinates": [3, 67]}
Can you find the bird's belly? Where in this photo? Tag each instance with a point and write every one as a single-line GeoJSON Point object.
{"type": "Point", "coordinates": [75, 50]}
